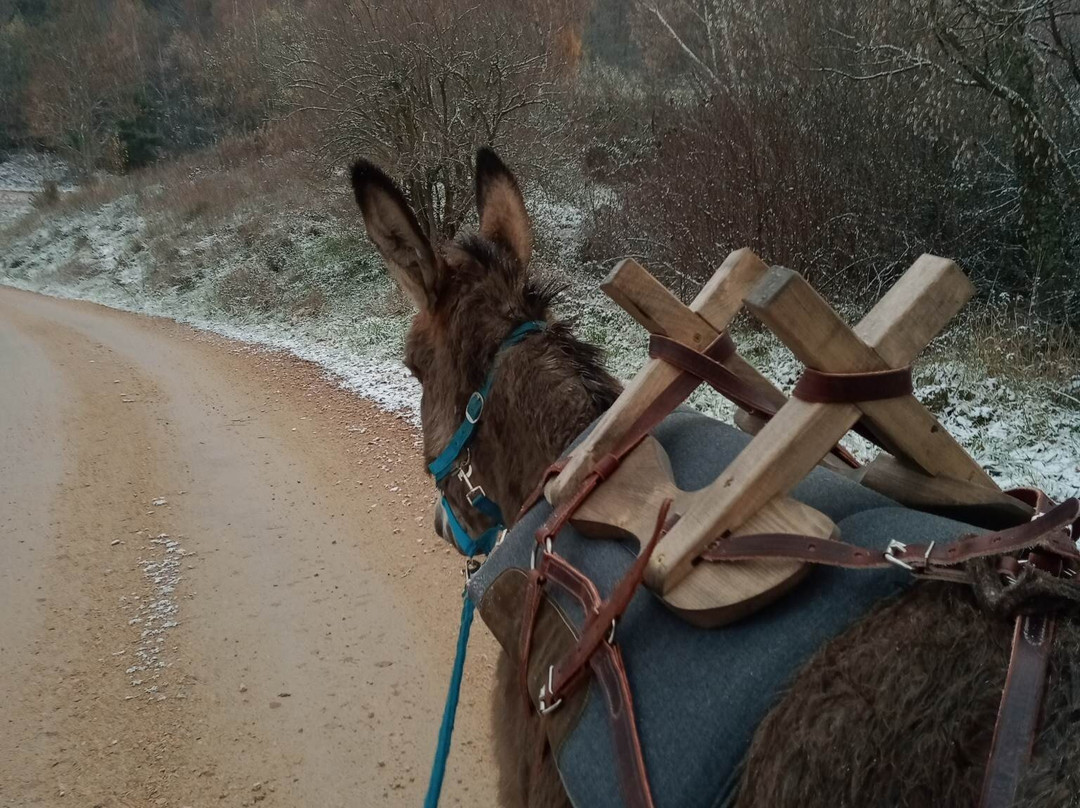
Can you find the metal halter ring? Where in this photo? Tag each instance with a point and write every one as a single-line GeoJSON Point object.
{"type": "Point", "coordinates": [472, 419]}
{"type": "Point", "coordinates": [536, 546]}
{"type": "Point", "coordinates": [546, 691]}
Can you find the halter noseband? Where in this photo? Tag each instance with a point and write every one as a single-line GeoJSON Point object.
{"type": "Point", "coordinates": [447, 461]}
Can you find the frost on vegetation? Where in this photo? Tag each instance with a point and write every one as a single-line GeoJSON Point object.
{"type": "Point", "coordinates": [29, 171]}
{"type": "Point", "coordinates": [310, 284]}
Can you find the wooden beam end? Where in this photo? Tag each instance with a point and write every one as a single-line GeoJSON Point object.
{"type": "Point", "coordinates": [777, 282]}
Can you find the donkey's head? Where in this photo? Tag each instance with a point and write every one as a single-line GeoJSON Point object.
{"type": "Point", "coordinates": [470, 294]}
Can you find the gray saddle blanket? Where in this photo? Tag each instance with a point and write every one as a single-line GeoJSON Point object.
{"type": "Point", "coordinates": [699, 694]}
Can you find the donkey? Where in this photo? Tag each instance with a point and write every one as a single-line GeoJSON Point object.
{"type": "Point", "coordinates": [899, 710]}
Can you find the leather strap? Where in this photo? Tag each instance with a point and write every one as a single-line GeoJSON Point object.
{"type": "Point", "coordinates": [819, 387]}
{"type": "Point", "coordinates": [1050, 531]}
{"type": "Point", "coordinates": [533, 594]}
{"type": "Point", "coordinates": [596, 649]}
{"type": "Point", "coordinates": [600, 624]}
{"type": "Point", "coordinates": [710, 369]}
{"type": "Point", "coordinates": [704, 367]}
{"type": "Point", "coordinates": [1025, 683]}
{"type": "Point", "coordinates": [610, 672]}
{"type": "Point", "coordinates": [1018, 714]}
{"type": "Point", "coordinates": [606, 663]}
{"type": "Point", "coordinates": [669, 398]}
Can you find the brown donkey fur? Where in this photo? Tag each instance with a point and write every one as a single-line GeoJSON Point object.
{"type": "Point", "coordinates": [897, 711]}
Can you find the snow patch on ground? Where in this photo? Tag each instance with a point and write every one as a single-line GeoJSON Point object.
{"type": "Point", "coordinates": [156, 615]}
{"type": "Point", "coordinates": [311, 285]}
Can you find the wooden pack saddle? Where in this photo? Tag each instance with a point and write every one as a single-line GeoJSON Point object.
{"type": "Point", "coordinates": [719, 553]}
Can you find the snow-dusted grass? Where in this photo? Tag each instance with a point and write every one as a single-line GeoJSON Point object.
{"type": "Point", "coordinates": [308, 282]}
{"type": "Point", "coordinates": [28, 171]}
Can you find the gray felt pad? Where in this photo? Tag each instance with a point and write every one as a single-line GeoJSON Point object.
{"type": "Point", "coordinates": [699, 694]}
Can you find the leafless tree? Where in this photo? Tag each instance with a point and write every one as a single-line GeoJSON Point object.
{"type": "Point", "coordinates": [418, 86]}
{"type": "Point", "coordinates": [87, 65]}
{"type": "Point", "coordinates": [1019, 61]}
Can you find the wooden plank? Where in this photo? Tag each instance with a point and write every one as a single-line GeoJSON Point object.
{"type": "Point", "coordinates": [790, 445]}
{"type": "Point", "coordinates": [625, 506]}
{"type": "Point", "coordinates": [717, 303]}
{"type": "Point", "coordinates": [888, 476]}
{"type": "Point", "coordinates": [714, 595]}
{"type": "Point", "coordinates": [904, 425]}
{"type": "Point", "coordinates": [784, 452]}
{"type": "Point", "coordinates": [655, 308]}
{"type": "Point", "coordinates": [912, 431]}
{"type": "Point", "coordinates": [751, 425]}
{"type": "Point", "coordinates": [923, 296]}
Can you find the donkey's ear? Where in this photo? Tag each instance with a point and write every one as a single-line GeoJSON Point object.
{"type": "Point", "coordinates": [393, 229]}
{"type": "Point", "coordinates": [501, 206]}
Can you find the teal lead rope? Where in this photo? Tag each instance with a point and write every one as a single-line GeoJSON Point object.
{"type": "Point", "coordinates": [446, 729]}
{"type": "Point", "coordinates": [441, 469]}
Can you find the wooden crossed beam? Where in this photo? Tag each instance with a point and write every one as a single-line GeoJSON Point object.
{"type": "Point", "coordinates": [930, 469]}
{"type": "Point", "coordinates": [933, 472]}
{"type": "Point", "coordinates": [662, 313]}
{"type": "Point", "coordinates": [903, 322]}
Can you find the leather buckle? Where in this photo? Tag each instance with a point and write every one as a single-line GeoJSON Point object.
{"type": "Point", "coordinates": [899, 547]}
{"type": "Point", "coordinates": [536, 546]}
{"type": "Point", "coordinates": [892, 558]}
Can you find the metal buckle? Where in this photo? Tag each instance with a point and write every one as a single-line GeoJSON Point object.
{"type": "Point", "coordinates": [545, 691]}
{"type": "Point", "coordinates": [464, 473]}
{"type": "Point", "coordinates": [890, 555]}
{"type": "Point", "coordinates": [536, 546]}
{"type": "Point", "coordinates": [472, 419]}
{"type": "Point", "coordinates": [472, 566]}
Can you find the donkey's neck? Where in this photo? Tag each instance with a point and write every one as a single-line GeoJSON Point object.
{"type": "Point", "coordinates": [548, 390]}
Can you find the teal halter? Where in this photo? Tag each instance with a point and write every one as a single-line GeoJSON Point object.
{"type": "Point", "coordinates": [441, 467]}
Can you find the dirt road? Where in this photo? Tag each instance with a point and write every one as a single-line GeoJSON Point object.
{"type": "Point", "coordinates": [218, 581]}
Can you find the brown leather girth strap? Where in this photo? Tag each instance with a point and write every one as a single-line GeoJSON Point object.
{"type": "Point", "coordinates": [1049, 531]}
{"type": "Point", "coordinates": [1025, 683]}
{"type": "Point", "coordinates": [711, 371]}
{"type": "Point", "coordinates": [1021, 704]}
{"type": "Point", "coordinates": [596, 649]}
{"type": "Point", "coordinates": [706, 368]}
{"type": "Point", "coordinates": [818, 387]}
{"type": "Point", "coordinates": [600, 625]}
